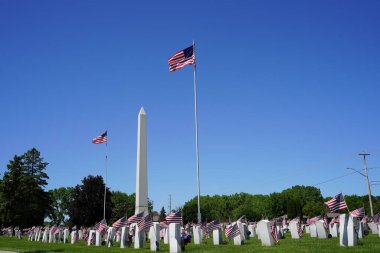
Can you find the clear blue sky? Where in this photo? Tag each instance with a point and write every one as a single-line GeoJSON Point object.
{"type": "Point", "coordinates": [288, 92]}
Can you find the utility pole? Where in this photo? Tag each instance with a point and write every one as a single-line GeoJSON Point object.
{"type": "Point", "coordinates": [364, 154]}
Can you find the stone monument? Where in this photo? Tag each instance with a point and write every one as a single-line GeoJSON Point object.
{"type": "Point", "coordinates": [141, 166]}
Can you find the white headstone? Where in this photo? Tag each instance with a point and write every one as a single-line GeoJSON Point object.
{"type": "Point", "coordinates": [321, 230]}
{"type": "Point", "coordinates": [51, 235]}
{"type": "Point", "coordinates": [251, 229]}
{"type": "Point", "coordinates": [217, 236]}
{"type": "Point", "coordinates": [174, 238]}
{"type": "Point", "coordinates": [373, 227]}
{"type": "Point", "coordinates": [264, 231]}
{"type": "Point", "coordinates": [334, 231]}
{"type": "Point", "coordinates": [45, 235]}
{"type": "Point", "coordinates": [293, 227]}
{"type": "Point", "coordinates": [307, 229]}
{"type": "Point", "coordinates": [139, 238]}
{"type": "Point", "coordinates": [347, 230]}
{"type": "Point", "coordinates": [360, 230]}
{"type": "Point", "coordinates": [124, 237]}
{"type": "Point", "coordinates": [39, 235]}
{"type": "Point", "coordinates": [98, 238]}
{"type": "Point", "coordinates": [110, 236]}
{"type": "Point", "coordinates": [238, 240]}
{"type": "Point", "coordinates": [313, 230]}
{"type": "Point", "coordinates": [141, 166]}
{"type": "Point", "coordinates": [166, 236]}
{"type": "Point", "coordinates": [197, 235]}
{"type": "Point", "coordinates": [65, 235]}
{"type": "Point", "coordinates": [80, 234]}
{"type": "Point", "coordinates": [90, 237]}
{"type": "Point", "coordinates": [154, 235]}
{"type": "Point", "coordinates": [74, 236]}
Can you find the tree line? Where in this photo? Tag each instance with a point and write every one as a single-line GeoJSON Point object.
{"type": "Point", "coordinates": [297, 201]}
{"type": "Point", "coordinates": [25, 202]}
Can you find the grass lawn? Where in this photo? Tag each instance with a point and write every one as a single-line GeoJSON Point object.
{"type": "Point", "coordinates": [371, 243]}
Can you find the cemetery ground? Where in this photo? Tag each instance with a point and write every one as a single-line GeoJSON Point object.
{"type": "Point", "coordinates": [370, 243]}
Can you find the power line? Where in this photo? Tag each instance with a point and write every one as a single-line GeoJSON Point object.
{"type": "Point", "coordinates": [335, 178]}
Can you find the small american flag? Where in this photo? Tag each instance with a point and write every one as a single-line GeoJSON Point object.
{"type": "Point", "coordinates": [314, 219]}
{"type": "Point", "coordinates": [175, 217]}
{"type": "Point", "coordinates": [101, 226]}
{"type": "Point", "coordinates": [364, 220]}
{"type": "Point", "coordinates": [100, 139]}
{"type": "Point", "coordinates": [376, 218]}
{"type": "Point", "coordinates": [213, 225]}
{"type": "Point", "coordinates": [122, 222]}
{"type": "Point", "coordinates": [182, 58]}
{"type": "Point", "coordinates": [145, 223]}
{"type": "Point", "coordinates": [232, 231]}
{"type": "Point", "coordinates": [163, 224]}
{"type": "Point", "coordinates": [325, 222]}
{"type": "Point", "coordinates": [136, 217]}
{"type": "Point", "coordinates": [358, 212]}
{"type": "Point", "coordinates": [336, 203]}
{"type": "Point", "coordinates": [299, 229]}
{"type": "Point", "coordinates": [334, 220]}
{"type": "Point", "coordinates": [274, 232]}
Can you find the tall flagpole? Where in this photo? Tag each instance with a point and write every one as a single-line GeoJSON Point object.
{"type": "Point", "coordinates": [105, 184]}
{"type": "Point", "coordinates": [196, 137]}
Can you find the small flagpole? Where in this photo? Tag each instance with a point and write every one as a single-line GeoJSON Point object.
{"type": "Point", "coordinates": [346, 203]}
{"type": "Point", "coordinates": [105, 183]}
{"type": "Point", "coordinates": [196, 136]}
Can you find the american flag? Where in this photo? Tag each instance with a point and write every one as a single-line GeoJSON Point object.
{"type": "Point", "coordinates": [175, 217]}
{"type": "Point", "coordinates": [163, 225]}
{"type": "Point", "coordinates": [336, 203]}
{"type": "Point", "coordinates": [314, 219]}
{"type": "Point", "coordinates": [299, 229]}
{"type": "Point", "coordinates": [182, 58]}
{"type": "Point", "coordinates": [136, 217]}
{"type": "Point", "coordinates": [274, 231]}
{"type": "Point", "coordinates": [358, 212]}
{"type": "Point", "coordinates": [145, 223]}
{"type": "Point", "coordinates": [122, 222]}
{"type": "Point", "coordinates": [364, 220]}
{"type": "Point", "coordinates": [232, 231]}
{"type": "Point", "coordinates": [100, 139]}
{"type": "Point", "coordinates": [325, 222]}
{"type": "Point", "coordinates": [101, 226]}
{"type": "Point", "coordinates": [213, 225]}
{"type": "Point", "coordinates": [334, 220]}
{"type": "Point", "coordinates": [376, 218]}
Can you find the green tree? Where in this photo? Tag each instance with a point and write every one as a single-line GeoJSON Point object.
{"type": "Point", "coordinates": [61, 199]}
{"type": "Point", "coordinates": [24, 202]}
{"type": "Point", "coordinates": [124, 205]}
{"type": "Point", "coordinates": [162, 214]}
{"type": "Point", "coordinates": [86, 207]}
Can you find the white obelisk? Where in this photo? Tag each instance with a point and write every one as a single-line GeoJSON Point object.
{"type": "Point", "coordinates": [141, 168]}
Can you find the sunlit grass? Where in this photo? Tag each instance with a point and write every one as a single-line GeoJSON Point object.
{"type": "Point", "coordinates": [370, 243]}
